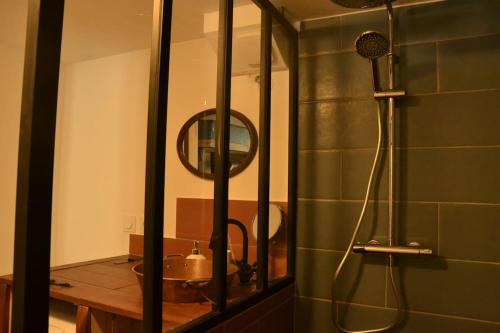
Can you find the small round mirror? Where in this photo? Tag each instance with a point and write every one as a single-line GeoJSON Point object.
{"type": "Point", "coordinates": [275, 219]}
{"type": "Point", "coordinates": [196, 143]}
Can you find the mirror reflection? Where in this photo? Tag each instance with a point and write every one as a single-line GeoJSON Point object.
{"type": "Point", "coordinates": [196, 143]}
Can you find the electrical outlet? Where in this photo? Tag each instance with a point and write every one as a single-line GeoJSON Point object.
{"type": "Point", "coordinates": [129, 224]}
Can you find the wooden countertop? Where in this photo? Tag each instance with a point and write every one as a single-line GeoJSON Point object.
{"type": "Point", "coordinates": [111, 286]}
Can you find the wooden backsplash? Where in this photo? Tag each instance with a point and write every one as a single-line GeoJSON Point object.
{"type": "Point", "coordinates": [194, 218]}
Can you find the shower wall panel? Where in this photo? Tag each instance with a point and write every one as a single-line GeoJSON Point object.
{"type": "Point", "coordinates": [447, 178]}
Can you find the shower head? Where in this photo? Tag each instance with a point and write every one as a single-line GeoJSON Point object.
{"type": "Point", "coordinates": [372, 45]}
{"type": "Point", "coordinates": [361, 3]}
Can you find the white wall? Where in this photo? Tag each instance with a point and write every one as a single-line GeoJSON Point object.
{"type": "Point", "coordinates": [100, 155]}
{"type": "Point", "coordinates": [99, 158]}
{"type": "Point", "coordinates": [11, 72]}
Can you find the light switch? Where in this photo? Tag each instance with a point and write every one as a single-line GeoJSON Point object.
{"type": "Point", "coordinates": [129, 224]}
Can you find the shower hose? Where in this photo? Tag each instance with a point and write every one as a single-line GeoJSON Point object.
{"type": "Point", "coordinates": [351, 244]}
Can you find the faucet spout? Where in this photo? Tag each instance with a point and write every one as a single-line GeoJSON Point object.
{"type": "Point", "coordinates": [245, 271]}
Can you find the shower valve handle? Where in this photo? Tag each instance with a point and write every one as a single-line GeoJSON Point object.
{"type": "Point", "coordinates": [389, 94]}
{"type": "Point", "coordinates": [394, 250]}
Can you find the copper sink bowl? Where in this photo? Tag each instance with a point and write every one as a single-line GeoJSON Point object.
{"type": "Point", "coordinates": [186, 280]}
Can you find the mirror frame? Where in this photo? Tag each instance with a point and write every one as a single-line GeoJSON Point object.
{"type": "Point", "coordinates": [246, 162]}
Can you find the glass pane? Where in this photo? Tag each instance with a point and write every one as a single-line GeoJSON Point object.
{"type": "Point", "coordinates": [100, 156]}
{"type": "Point", "coordinates": [278, 221]}
{"type": "Point", "coordinates": [13, 18]}
{"type": "Point", "coordinates": [243, 186]}
{"type": "Point", "coordinates": [190, 159]}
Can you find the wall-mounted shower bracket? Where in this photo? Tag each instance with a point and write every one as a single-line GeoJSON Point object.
{"type": "Point", "coordinates": [389, 93]}
{"type": "Point", "coordinates": [371, 247]}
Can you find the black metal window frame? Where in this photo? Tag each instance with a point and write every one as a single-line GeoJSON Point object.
{"type": "Point", "coordinates": [221, 311]}
{"type": "Point", "coordinates": [30, 303]}
{"type": "Point", "coordinates": [36, 165]}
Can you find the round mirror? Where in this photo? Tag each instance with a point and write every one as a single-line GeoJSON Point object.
{"type": "Point", "coordinates": [196, 144]}
{"type": "Point", "coordinates": [275, 219]}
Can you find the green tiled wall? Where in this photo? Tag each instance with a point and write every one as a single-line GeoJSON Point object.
{"type": "Point", "coordinates": [447, 178]}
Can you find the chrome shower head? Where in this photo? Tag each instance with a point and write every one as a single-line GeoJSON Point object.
{"type": "Point", "coordinates": [372, 45]}
{"type": "Point", "coordinates": [361, 3]}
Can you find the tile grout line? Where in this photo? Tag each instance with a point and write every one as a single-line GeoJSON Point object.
{"type": "Point", "coordinates": [341, 162]}
{"type": "Point", "coordinates": [371, 10]}
{"type": "Point", "coordinates": [320, 250]}
{"type": "Point", "coordinates": [478, 262]}
{"type": "Point", "coordinates": [348, 150]}
{"type": "Point", "coordinates": [416, 43]}
{"type": "Point", "coordinates": [332, 99]}
{"type": "Point", "coordinates": [386, 292]}
{"type": "Point", "coordinates": [402, 202]}
{"type": "Point", "coordinates": [324, 300]}
{"type": "Point", "coordinates": [334, 150]}
{"type": "Point", "coordinates": [438, 79]}
{"type": "Point", "coordinates": [353, 50]}
{"type": "Point", "coordinates": [336, 99]}
{"type": "Point", "coordinates": [337, 309]}
{"type": "Point", "coordinates": [438, 228]}
{"type": "Point", "coordinates": [341, 25]}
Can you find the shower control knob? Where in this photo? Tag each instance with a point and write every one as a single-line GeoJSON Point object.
{"type": "Point", "coordinates": [414, 244]}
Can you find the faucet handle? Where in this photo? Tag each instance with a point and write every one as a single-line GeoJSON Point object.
{"type": "Point", "coordinates": [173, 255]}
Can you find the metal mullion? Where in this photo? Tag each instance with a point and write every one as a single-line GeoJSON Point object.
{"type": "Point", "coordinates": [221, 183]}
{"type": "Point", "coordinates": [155, 166]}
{"type": "Point", "coordinates": [264, 150]}
{"type": "Point", "coordinates": [292, 153]}
{"type": "Point", "coordinates": [36, 166]}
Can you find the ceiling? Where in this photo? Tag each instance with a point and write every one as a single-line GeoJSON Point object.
{"type": "Point", "coordinates": [310, 9]}
{"type": "Point", "coordinates": [98, 28]}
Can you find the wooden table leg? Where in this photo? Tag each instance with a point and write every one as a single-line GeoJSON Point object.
{"type": "Point", "coordinates": [82, 319]}
{"type": "Point", "coordinates": [5, 292]}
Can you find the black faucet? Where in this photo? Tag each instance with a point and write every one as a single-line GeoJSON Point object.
{"type": "Point", "coordinates": [245, 271]}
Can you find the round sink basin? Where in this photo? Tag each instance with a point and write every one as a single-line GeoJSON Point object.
{"type": "Point", "coordinates": [186, 280]}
